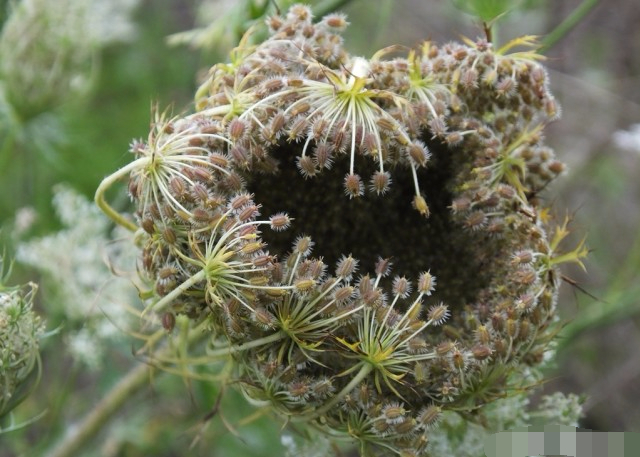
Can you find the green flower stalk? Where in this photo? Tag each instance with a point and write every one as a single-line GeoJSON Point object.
{"type": "Point", "coordinates": [356, 339]}
{"type": "Point", "coordinates": [20, 333]}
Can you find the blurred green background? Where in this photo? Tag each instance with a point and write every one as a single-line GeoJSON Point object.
{"type": "Point", "coordinates": [594, 73]}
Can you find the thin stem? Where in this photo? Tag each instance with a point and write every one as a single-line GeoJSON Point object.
{"type": "Point", "coordinates": [89, 426]}
{"type": "Point", "coordinates": [106, 184]}
{"type": "Point", "coordinates": [77, 437]}
{"type": "Point", "coordinates": [357, 379]}
{"type": "Point", "coordinates": [175, 293]}
{"type": "Point", "coordinates": [567, 25]}
{"type": "Point", "coordinates": [244, 346]}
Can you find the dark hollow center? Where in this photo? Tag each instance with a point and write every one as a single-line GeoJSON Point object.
{"type": "Point", "coordinates": [373, 226]}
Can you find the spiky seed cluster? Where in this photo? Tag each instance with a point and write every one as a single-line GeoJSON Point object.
{"type": "Point", "coordinates": [20, 332]}
{"type": "Point", "coordinates": [373, 357]}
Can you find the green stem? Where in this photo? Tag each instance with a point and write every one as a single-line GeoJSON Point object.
{"type": "Point", "coordinates": [244, 346]}
{"type": "Point", "coordinates": [357, 379]}
{"type": "Point", "coordinates": [106, 184]}
{"type": "Point", "coordinates": [93, 422]}
{"type": "Point", "coordinates": [78, 436]}
{"type": "Point", "coordinates": [567, 25]}
{"type": "Point", "coordinates": [175, 293]}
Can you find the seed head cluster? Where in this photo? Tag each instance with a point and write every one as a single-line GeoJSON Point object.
{"type": "Point", "coordinates": [350, 348]}
{"type": "Point", "coordinates": [20, 333]}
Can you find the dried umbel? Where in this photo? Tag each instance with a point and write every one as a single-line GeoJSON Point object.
{"type": "Point", "coordinates": [20, 332]}
{"type": "Point", "coordinates": [421, 272]}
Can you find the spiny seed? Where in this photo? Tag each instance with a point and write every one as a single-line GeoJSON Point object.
{"type": "Point", "coordinates": [481, 352]}
{"type": "Point", "coordinates": [476, 220]}
{"type": "Point", "coordinates": [380, 182]}
{"type": "Point", "coordinates": [304, 285]}
{"type": "Point", "coordinates": [438, 314]}
{"type": "Point", "coordinates": [420, 204]}
{"type": "Point", "coordinates": [353, 185]}
{"type": "Point", "coordinates": [201, 215]}
{"type": "Point", "coordinates": [303, 245]}
{"type": "Point", "coordinates": [248, 212]}
{"type": "Point", "coordinates": [346, 266]}
{"type": "Point", "coordinates": [306, 166]}
{"type": "Point", "coordinates": [259, 280]}
{"type": "Point", "coordinates": [343, 294]}
{"type": "Point", "coordinates": [407, 425]}
{"type": "Point", "coordinates": [383, 267]}
{"type": "Point", "coordinates": [445, 347]}
{"type": "Point", "coordinates": [522, 257]}
{"type": "Point", "coordinates": [418, 153]}
{"type": "Point", "coordinates": [167, 272]}
{"type": "Point", "coordinates": [177, 186]}
{"type": "Point", "coordinates": [202, 174]}
{"type": "Point", "coordinates": [299, 108]}
{"type": "Point", "coordinates": [241, 200]}
{"type": "Point", "coordinates": [169, 235]}
{"type": "Point", "coordinates": [237, 129]}
{"type": "Point", "coordinates": [168, 321]}
{"type": "Point", "coordinates": [401, 286]}
{"type": "Point", "coordinates": [280, 222]}
{"type": "Point", "coordinates": [460, 205]}
{"type": "Point", "coordinates": [430, 415]}
{"type": "Point", "coordinates": [323, 155]}
{"type": "Point", "coordinates": [426, 283]}
{"type": "Point", "coordinates": [482, 334]}
{"type": "Point", "coordinates": [512, 327]}
{"type": "Point", "coordinates": [387, 124]}
{"type": "Point", "coordinates": [263, 317]}
{"type": "Point", "coordinates": [240, 155]}
{"type": "Point", "coordinates": [261, 261]}
{"type": "Point", "coordinates": [336, 21]}
{"type": "Point", "coordinates": [148, 226]}
{"type": "Point", "coordinates": [200, 191]}
{"type": "Point", "coordinates": [272, 85]}
{"type": "Point", "coordinates": [393, 413]}
{"type": "Point", "coordinates": [319, 127]}
{"type": "Point", "coordinates": [252, 247]}
{"type": "Point", "coordinates": [219, 160]}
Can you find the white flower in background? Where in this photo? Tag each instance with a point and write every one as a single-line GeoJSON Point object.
{"type": "Point", "coordinates": [77, 281]}
{"type": "Point", "coordinates": [628, 139]}
{"type": "Point", "coordinates": [48, 49]}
